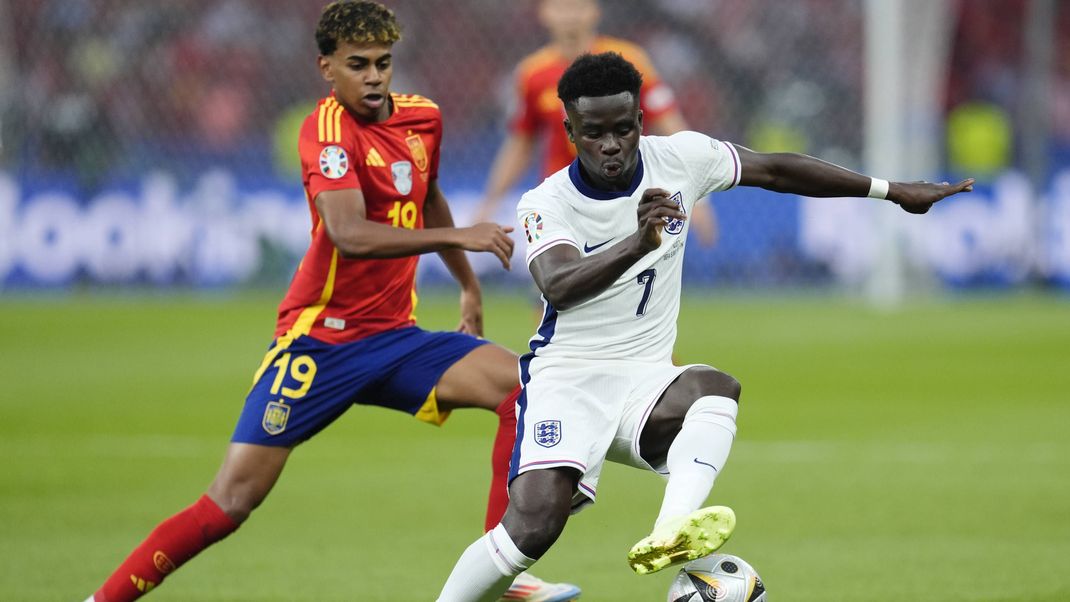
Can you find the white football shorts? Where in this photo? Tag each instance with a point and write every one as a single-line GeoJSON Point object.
{"type": "Point", "coordinates": [577, 413]}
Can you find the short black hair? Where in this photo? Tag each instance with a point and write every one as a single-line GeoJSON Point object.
{"type": "Point", "coordinates": [357, 23]}
{"type": "Point", "coordinates": [602, 74]}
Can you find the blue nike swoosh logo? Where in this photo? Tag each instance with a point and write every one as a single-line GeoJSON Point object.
{"type": "Point", "coordinates": [588, 248]}
{"type": "Point", "coordinates": [697, 461]}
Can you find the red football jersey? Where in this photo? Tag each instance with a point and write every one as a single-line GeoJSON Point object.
{"type": "Point", "coordinates": [540, 112]}
{"type": "Point", "coordinates": [338, 300]}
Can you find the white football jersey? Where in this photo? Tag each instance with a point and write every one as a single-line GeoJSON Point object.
{"type": "Point", "coordinates": [635, 318]}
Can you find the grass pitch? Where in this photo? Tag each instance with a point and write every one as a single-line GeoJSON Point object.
{"type": "Point", "coordinates": [917, 455]}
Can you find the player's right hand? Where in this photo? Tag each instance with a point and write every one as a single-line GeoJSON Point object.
{"type": "Point", "coordinates": [919, 197]}
{"type": "Point", "coordinates": [490, 238]}
{"type": "Point", "coordinates": [655, 211]}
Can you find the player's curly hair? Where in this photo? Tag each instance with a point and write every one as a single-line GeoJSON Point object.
{"type": "Point", "coordinates": [602, 74]}
{"type": "Point", "coordinates": [357, 23]}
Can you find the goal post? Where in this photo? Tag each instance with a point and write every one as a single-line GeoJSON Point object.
{"type": "Point", "coordinates": [908, 44]}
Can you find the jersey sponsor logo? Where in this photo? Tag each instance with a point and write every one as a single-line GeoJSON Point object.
{"type": "Point", "coordinates": [402, 173]}
{"type": "Point", "coordinates": [276, 414]}
{"type": "Point", "coordinates": [374, 159]}
{"type": "Point", "coordinates": [418, 151]}
{"type": "Point", "coordinates": [532, 226]}
{"type": "Point", "coordinates": [162, 562]}
{"type": "Point", "coordinates": [334, 162]}
{"type": "Point", "coordinates": [675, 226]}
{"type": "Point", "coordinates": [548, 433]}
{"type": "Point", "coordinates": [588, 248]}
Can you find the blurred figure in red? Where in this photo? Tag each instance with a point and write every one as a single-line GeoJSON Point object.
{"type": "Point", "coordinates": [538, 114]}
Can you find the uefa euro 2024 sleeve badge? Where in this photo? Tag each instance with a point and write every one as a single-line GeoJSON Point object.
{"type": "Point", "coordinates": [532, 226]}
{"type": "Point", "coordinates": [334, 162]}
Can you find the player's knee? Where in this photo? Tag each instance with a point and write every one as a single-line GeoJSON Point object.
{"type": "Point", "coordinates": [535, 533]}
{"type": "Point", "coordinates": [236, 500]}
{"type": "Point", "coordinates": [722, 384]}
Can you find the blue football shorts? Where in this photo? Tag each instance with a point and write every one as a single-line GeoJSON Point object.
{"type": "Point", "coordinates": [303, 386]}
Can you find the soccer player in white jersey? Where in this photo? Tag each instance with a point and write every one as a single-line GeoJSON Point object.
{"type": "Point", "coordinates": [606, 239]}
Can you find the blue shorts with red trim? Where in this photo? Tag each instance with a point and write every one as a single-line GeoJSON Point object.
{"type": "Point", "coordinates": [304, 385]}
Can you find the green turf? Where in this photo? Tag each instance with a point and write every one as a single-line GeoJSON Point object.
{"type": "Point", "coordinates": [918, 455]}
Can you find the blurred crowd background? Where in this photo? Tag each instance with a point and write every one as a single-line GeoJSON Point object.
{"type": "Point", "coordinates": [97, 95]}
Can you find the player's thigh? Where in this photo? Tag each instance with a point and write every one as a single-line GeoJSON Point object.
{"type": "Point", "coordinates": [568, 413]}
{"type": "Point", "coordinates": [482, 378]}
{"type": "Point", "coordinates": [303, 385]}
{"type": "Point", "coordinates": [668, 413]}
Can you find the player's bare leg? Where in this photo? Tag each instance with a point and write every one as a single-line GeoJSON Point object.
{"type": "Point", "coordinates": [690, 431]}
{"type": "Point", "coordinates": [246, 477]}
{"type": "Point", "coordinates": [487, 378]}
{"type": "Point", "coordinates": [481, 379]}
{"type": "Point", "coordinates": [539, 507]}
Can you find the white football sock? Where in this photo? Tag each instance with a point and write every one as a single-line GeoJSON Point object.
{"type": "Point", "coordinates": [486, 569]}
{"type": "Point", "coordinates": [698, 454]}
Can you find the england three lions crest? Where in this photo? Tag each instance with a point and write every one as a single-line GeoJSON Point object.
{"type": "Point", "coordinates": [402, 173]}
{"type": "Point", "coordinates": [675, 226]}
{"type": "Point", "coordinates": [548, 433]}
{"type": "Point", "coordinates": [418, 151]}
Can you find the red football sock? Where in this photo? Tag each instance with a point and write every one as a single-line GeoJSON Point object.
{"type": "Point", "coordinates": [499, 461]}
{"type": "Point", "coordinates": [172, 543]}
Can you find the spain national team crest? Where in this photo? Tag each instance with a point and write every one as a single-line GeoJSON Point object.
{"type": "Point", "coordinates": [334, 162]}
{"type": "Point", "coordinates": [418, 151]}
{"type": "Point", "coordinates": [402, 173]}
{"type": "Point", "coordinates": [532, 226]}
{"type": "Point", "coordinates": [675, 226]}
{"type": "Point", "coordinates": [275, 416]}
{"type": "Point", "coordinates": [548, 433]}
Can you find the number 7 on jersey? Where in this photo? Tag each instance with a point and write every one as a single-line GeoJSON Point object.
{"type": "Point", "coordinates": [646, 280]}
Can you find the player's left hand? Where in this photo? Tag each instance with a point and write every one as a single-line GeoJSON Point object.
{"type": "Point", "coordinates": [919, 197]}
{"type": "Point", "coordinates": [471, 313]}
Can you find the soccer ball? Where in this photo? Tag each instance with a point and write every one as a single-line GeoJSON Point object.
{"type": "Point", "coordinates": [718, 578]}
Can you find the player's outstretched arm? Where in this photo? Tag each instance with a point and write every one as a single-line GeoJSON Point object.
{"type": "Point", "coordinates": [810, 176]}
{"type": "Point", "coordinates": [437, 215]}
{"type": "Point", "coordinates": [356, 237]}
{"type": "Point", "coordinates": [566, 278]}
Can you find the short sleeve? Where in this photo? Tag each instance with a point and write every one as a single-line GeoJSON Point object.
{"type": "Point", "coordinates": [713, 164]}
{"type": "Point", "coordinates": [436, 146]}
{"type": "Point", "coordinates": [327, 161]}
{"type": "Point", "coordinates": [541, 227]}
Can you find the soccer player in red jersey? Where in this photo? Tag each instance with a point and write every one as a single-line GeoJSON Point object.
{"type": "Point", "coordinates": [345, 333]}
{"type": "Point", "coordinates": [538, 116]}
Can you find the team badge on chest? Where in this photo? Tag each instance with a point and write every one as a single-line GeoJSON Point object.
{"type": "Point", "coordinates": [675, 226]}
{"type": "Point", "coordinates": [334, 162]}
{"type": "Point", "coordinates": [418, 151]}
{"type": "Point", "coordinates": [548, 433]}
{"type": "Point", "coordinates": [402, 173]}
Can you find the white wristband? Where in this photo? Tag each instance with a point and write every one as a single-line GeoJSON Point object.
{"type": "Point", "coordinates": [878, 188]}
